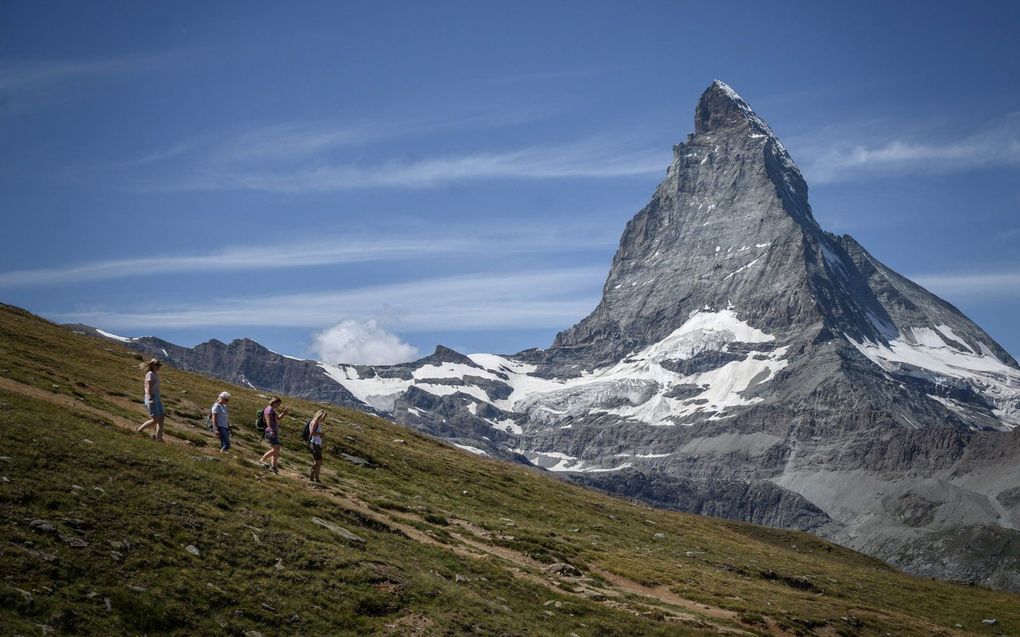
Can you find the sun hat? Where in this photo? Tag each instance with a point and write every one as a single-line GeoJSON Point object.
{"type": "Point", "coordinates": [225, 395]}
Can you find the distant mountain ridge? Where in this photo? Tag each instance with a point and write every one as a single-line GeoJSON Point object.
{"type": "Point", "coordinates": [742, 362]}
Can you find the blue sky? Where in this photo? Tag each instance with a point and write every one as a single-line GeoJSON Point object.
{"type": "Point", "coordinates": [364, 180]}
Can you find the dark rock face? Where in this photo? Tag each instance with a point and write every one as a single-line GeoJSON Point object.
{"type": "Point", "coordinates": [245, 362]}
{"type": "Point", "coordinates": [759, 502]}
{"type": "Point", "coordinates": [742, 362]}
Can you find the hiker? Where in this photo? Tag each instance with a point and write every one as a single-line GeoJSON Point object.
{"type": "Point", "coordinates": [315, 436]}
{"type": "Point", "coordinates": [220, 417]}
{"type": "Point", "coordinates": [153, 402]}
{"type": "Point", "coordinates": [272, 418]}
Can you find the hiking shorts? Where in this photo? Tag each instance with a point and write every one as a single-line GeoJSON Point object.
{"type": "Point", "coordinates": [316, 451]}
{"type": "Point", "coordinates": [272, 439]}
{"type": "Point", "coordinates": [155, 407]}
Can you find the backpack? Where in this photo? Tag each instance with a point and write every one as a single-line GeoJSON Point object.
{"type": "Point", "coordinates": [260, 424]}
{"type": "Point", "coordinates": [306, 433]}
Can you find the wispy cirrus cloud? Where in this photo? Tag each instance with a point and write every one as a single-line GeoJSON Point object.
{"type": "Point", "coordinates": [317, 251]}
{"type": "Point", "coordinates": [549, 162]}
{"type": "Point", "coordinates": [839, 155]}
{"type": "Point", "coordinates": [325, 156]}
{"type": "Point", "coordinates": [23, 81]}
{"type": "Point", "coordinates": [485, 301]}
{"type": "Point", "coordinates": [1001, 283]}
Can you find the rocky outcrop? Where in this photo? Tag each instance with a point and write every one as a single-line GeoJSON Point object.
{"type": "Point", "coordinates": [759, 502]}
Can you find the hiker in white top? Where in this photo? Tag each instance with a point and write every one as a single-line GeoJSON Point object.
{"type": "Point", "coordinates": [153, 402]}
{"type": "Point", "coordinates": [220, 419]}
{"type": "Point", "coordinates": [315, 436]}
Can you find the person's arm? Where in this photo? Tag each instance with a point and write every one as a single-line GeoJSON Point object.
{"type": "Point", "coordinates": [148, 388]}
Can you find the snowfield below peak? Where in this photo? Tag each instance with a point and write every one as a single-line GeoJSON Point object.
{"type": "Point", "coordinates": [649, 387]}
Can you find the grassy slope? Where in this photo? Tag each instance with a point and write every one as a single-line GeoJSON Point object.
{"type": "Point", "coordinates": [453, 544]}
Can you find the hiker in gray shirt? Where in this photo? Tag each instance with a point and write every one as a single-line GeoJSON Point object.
{"type": "Point", "coordinates": [220, 418]}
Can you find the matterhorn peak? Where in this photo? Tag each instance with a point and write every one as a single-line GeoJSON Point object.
{"type": "Point", "coordinates": [721, 108]}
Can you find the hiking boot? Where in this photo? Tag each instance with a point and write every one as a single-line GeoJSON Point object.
{"type": "Point", "coordinates": [276, 470]}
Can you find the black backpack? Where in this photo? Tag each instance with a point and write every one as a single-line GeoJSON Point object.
{"type": "Point", "coordinates": [260, 424]}
{"type": "Point", "coordinates": [306, 433]}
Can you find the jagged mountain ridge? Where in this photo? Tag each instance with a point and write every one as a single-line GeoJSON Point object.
{"type": "Point", "coordinates": [743, 357]}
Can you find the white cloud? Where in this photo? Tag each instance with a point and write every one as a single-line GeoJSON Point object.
{"type": "Point", "coordinates": [361, 342]}
{"type": "Point", "coordinates": [505, 300]}
{"type": "Point", "coordinates": [471, 242]}
{"type": "Point", "coordinates": [834, 155]}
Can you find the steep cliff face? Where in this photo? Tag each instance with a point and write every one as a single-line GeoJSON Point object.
{"type": "Point", "coordinates": [741, 362]}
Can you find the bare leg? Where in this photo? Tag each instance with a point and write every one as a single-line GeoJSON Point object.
{"type": "Point", "coordinates": [145, 425]}
{"type": "Point", "coordinates": [276, 457]}
{"type": "Point", "coordinates": [159, 428]}
{"type": "Point", "coordinates": [265, 456]}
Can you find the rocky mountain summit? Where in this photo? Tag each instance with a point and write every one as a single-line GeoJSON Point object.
{"type": "Point", "coordinates": [742, 362]}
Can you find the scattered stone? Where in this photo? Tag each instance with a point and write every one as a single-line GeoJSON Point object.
{"type": "Point", "coordinates": [549, 613]}
{"type": "Point", "coordinates": [268, 607]}
{"type": "Point", "coordinates": [74, 542]}
{"type": "Point", "coordinates": [116, 556]}
{"type": "Point", "coordinates": [87, 441]}
{"type": "Point", "coordinates": [462, 578]}
{"type": "Point", "coordinates": [191, 548]}
{"type": "Point", "coordinates": [594, 596]}
{"type": "Point", "coordinates": [25, 594]}
{"type": "Point", "coordinates": [92, 595]}
{"type": "Point", "coordinates": [253, 633]}
{"type": "Point", "coordinates": [563, 569]}
{"type": "Point", "coordinates": [99, 490]}
{"type": "Point", "coordinates": [135, 588]}
{"type": "Point", "coordinates": [355, 460]}
{"type": "Point", "coordinates": [399, 441]}
{"type": "Point", "coordinates": [109, 606]}
{"type": "Point", "coordinates": [989, 622]}
{"type": "Point", "coordinates": [55, 387]}
{"type": "Point", "coordinates": [659, 536]}
{"type": "Point", "coordinates": [279, 564]}
{"type": "Point", "coordinates": [508, 522]}
{"type": "Point", "coordinates": [77, 487]}
{"type": "Point", "coordinates": [342, 532]}
{"type": "Point", "coordinates": [6, 479]}
{"type": "Point", "coordinates": [42, 526]}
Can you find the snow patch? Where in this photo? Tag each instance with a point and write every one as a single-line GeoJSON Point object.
{"type": "Point", "coordinates": [122, 339]}
{"type": "Point", "coordinates": [469, 448]}
{"type": "Point", "coordinates": [922, 353]}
